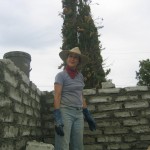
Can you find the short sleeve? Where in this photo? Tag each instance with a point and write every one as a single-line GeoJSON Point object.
{"type": "Point", "coordinates": [59, 79]}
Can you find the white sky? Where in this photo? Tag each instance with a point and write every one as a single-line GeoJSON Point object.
{"type": "Point", "coordinates": [34, 26]}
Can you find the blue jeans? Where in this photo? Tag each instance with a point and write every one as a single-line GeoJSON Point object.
{"type": "Point", "coordinates": [73, 130]}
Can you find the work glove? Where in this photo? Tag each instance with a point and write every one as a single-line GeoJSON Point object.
{"type": "Point", "coordinates": [58, 122]}
{"type": "Point", "coordinates": [89, 119]}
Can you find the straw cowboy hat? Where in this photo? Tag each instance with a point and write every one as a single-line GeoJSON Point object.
{"type": "Point", "coordinates": [64, 54]}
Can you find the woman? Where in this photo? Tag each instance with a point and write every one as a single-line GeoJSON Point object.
{"type": "Point", "coordinates": [69, 103]}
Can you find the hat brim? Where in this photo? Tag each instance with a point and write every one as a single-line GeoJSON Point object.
{"type": "Point", "coordinates": [64, 54]}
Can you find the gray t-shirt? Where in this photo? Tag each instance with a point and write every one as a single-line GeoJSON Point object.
{"type": "Point", "coordinates": [71, 89]}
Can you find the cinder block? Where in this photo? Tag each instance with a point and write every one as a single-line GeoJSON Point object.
{"type": "Point", "coordinates": [34, 145]}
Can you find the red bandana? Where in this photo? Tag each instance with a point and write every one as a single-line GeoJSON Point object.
{"type": "Point", "coordinates": [72, 72]}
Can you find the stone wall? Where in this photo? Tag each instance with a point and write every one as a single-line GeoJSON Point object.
{"type": "Point", "coordinates": [122, 116]}
{"type": "Point", "coordinates": [26, 114]}
{"type": "Point", "coordinates": [20, 116]}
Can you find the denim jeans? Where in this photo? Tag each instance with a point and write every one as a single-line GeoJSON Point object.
{"type": "Point", "coordinates": [73, 130]}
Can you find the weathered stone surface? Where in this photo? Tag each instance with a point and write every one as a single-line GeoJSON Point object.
{"type": "Point", "coordinates": [89, 91]}
{"type": "Point", "coordinates": [107, 85]}
{"type": "Point", "coordinates": [39, 146]}
{"type": "Point", "coordinates": [141, 104]}
{"type": "Point", "coordinates": [109, 91]}
{"type": "Point", "coordinates": [100, 99]}
{"type": "Point", "coordinates": [136, 88]}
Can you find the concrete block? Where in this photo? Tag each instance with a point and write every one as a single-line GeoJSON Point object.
{"type": "Point", "coordinates": [34, 145]}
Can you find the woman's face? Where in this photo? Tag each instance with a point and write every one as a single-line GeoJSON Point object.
{"type": "Point", "coordinates": [73, 60]}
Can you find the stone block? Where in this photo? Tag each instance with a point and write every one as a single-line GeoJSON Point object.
{"type": "Point", "coordinates": [109, 138]}
{"type": "Point", "coordinates": [111, 106]}
{"type": "Point", "coordinates": [25, 79]}
{"type": "Point", "coordinates": [7, 145]}
{"type": "Point", "coordinates": [141, 129]}
{"type": "Point", "coordinates": [109, 123]}
{"type": "Point", "coordinates": [141, 104]}
{"type": "Point", "coordinates": [118, 130]}
{"type": "Point", "coordinates": [6, 115]}
{"type": "Point", "coordinates": [15, 94]}
{"type": "Point", "coordinates": [136, 88]}
{"type": "Point", "coordinates": [89, 91]}
{"type": "Point", "coordinates": [100, 99]}
{"type": "Point", "coordinates": [24, 88]}
{"type": "Point", "coordinates": [109, 91]}
{"type": "Point", "coordinates": [5, 101]}
{"type": "Point", "coordinates": [33, 86]}
{"type": "Point", "coordinates": [145, 137]}
{"type": "Point", "coordinates": [127, 98]}
{"type": "Point", "coordinates": [124, 114]}
{"type": "Point", "coordinates": [146, 96]}
{"type": "Point", "coordinates": [134, 122]}
{"type": "Point", "coordinates": [24, 131]}
{"type": "Point", "coordinates": [118, 146]}
{"type": "Point", "coordinates": [29, 111]}
{"type": "Point", "coordinates": [1, 87]}
{"type": "Point", "coordinates": [108, 84]}
{"type": "Point", "coordinates": [130, 138]}
{"type": "Point", "coordinates": [26, 100]}
{"type": "Point", "coordinates": [93, 147]}
{"type": "Point", "coordinates": [10, 132]}
{"type": "Point", "coordinates": [10, 79]}
{"type": "Point", "coordinates": [19, 108]}
{"type": "Point", "coordinates": [12, 67]}
{"type": "Point", "coordinates": [39, 146]}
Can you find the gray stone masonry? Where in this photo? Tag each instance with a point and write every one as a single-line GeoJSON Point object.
{"type": "Point", "coordinates": [122, 115]}
{"type": "Point", "coordinates": [20, 108]}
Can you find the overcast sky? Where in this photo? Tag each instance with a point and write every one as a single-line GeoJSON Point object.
{"type": "Point", "coordinates": [34, 26]}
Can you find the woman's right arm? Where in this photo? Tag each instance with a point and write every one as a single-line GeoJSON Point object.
{"type": "Point", "coordinates": [57, 95]}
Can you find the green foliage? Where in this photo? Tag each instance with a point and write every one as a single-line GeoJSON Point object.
{"type": "Point", "coordinates": [79, 30]}
{"type": "Point", "coordinates": [143, 76]}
